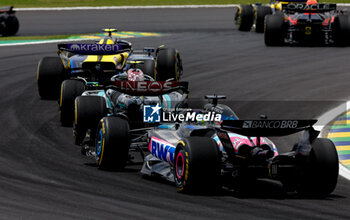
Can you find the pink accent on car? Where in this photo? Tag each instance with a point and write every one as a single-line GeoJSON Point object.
{"type": "Point", "coordinates": [183, 165]}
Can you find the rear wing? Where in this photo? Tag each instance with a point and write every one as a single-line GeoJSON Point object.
{"type": "Point", "coordinates": [267, 128]}
{"type": "Point", "coordinates": [8, 9]}
{"type": "Point", "coordinates": [304, 8]}
{"type": "Point", "coordinates": [148, 88]}
{"type": "Point", "coordinates": [93, 49]}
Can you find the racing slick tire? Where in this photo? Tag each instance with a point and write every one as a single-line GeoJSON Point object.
{"type": "Point", "coordinates": [70, 89]}
{"type": "Point", "coordinates": [89, 110]}
{"type": "Point", "coordinates": [50, 75]}
{"type": "Point", "coordinates": [245, 17]}
{"type": "Point", "coordinates": [260, 13]}
{"type": "Point", "coordinates": [112, 143]}
{"type": "Point", "coordinates": [168, 64]}
{"type": "Point", "coordinates": [147, 67]}
{"type": "Point", "coordinates": [321, 172]}
{"type": "Point", "coordinates": [273, 30]}
{"type": "Point", "coordinates": [342, 30]}
{"type": "Point", "coordinates": [11, 26]}
{"type": "Point", "coordinates": [196, 165]}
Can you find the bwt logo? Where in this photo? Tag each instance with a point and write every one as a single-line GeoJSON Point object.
{"type": "Point", "coordinates": [151, 113]}
{"type": "Point", "coordinates": [162, 150]}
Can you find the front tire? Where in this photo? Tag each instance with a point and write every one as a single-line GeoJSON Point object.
{"type": "Point", "coordinates": [89, 110]}
{"type": "Point", "coordinates": [112, 143]}
{"type": "Point", "coordinates": [320, 176]}
{"type": "Point", "coordinates": [50, 75]}
{"type": "Point", "coordinates": [70, 89]}
{"type": "Point", "coordinates": [196, 165]}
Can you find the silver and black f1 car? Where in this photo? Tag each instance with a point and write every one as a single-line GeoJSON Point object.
{"type": "Point", "coordinates": [311, 24]}
{"type": "Point", "coordinates": [9, 24]}
{"type": "Point", "coordinates": [201, 157]}
{"type": "Point", "coordinates": [124, 99]}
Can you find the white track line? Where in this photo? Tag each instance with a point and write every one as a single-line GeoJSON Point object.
{"type": "Point", "coordinates": [327, 118]}
{"type": "Point", "coordinates": [136, 7]}
{"type": "Point", "coordinates": [126, 7]}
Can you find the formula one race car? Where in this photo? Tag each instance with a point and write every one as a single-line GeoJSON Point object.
{"type": "Point", "coordinates": [311, 24]}
{"type": "Point", "coordinates": [87, 66]}
{"type": "Point", "coordinates": [125, 98]}
{"type": "Point", "coordinates": [200, 157]}
{"type": "Point", "coordinates": [248, 16]}
{"type": "Point", "coordinates": [108, 55]}
{"type": "Point", "coordinates": [9, 24]}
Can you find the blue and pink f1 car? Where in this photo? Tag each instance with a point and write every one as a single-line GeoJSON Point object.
{"type": "Point", "coordinates": [232, 153]}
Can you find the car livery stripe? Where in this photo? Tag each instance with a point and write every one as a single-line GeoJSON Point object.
{"type": "Point", "coordinates": [162, 150]}
{"type": "Point", "coordinates": [339, 133]}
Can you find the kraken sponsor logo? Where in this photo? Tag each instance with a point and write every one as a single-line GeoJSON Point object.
{"type": "Point", "coordinates": [75, 47]}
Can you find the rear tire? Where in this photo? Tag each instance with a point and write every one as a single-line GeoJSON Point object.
{"type": "Point", "coordinates": [342, 30]}
{"type": "Point", "coordinates": [320, 176]}
{"type": "Point", "coordinates": [245, 17]}
{"type": "Point", "coordinates": [89, 110]}
{"type": "Point", "coordinates": [50, 75]}
{"type": "Point", "coordinates": [168, 64]}
{"type": "Point", "coordinates": [12, 26]}
{"type": "Point", "coordinates": [70, 89]}
{"type": "Point", "coordinates": [274, 30]}
{"type": "Point", "coordinates": [112, 143]}
{"type": "Point", "coordinates": [260, 13]}
{"type": "Point", "coordinates": [196, 165]}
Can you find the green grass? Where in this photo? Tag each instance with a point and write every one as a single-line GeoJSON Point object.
{"type": "Point", "coordinates": [73, 36]}
{"type": "Point", "coordinates": [49, 37]}
{"type": "Point", "coordinates": [71, 3]}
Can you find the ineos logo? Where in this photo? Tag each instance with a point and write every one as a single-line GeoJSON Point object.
{"type": "Point", "coordinates": [143, 86]}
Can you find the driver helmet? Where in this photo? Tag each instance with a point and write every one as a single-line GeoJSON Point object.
{"type": "Point", "coordinates": [135, 75]}
{"type": "Point", "coordinates": [311, 2]}
{"type": "Point", "coordinates": [106, 40]}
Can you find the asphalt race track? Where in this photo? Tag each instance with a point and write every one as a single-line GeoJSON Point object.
{"type": "Point", "coordinates": [44, 176]}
